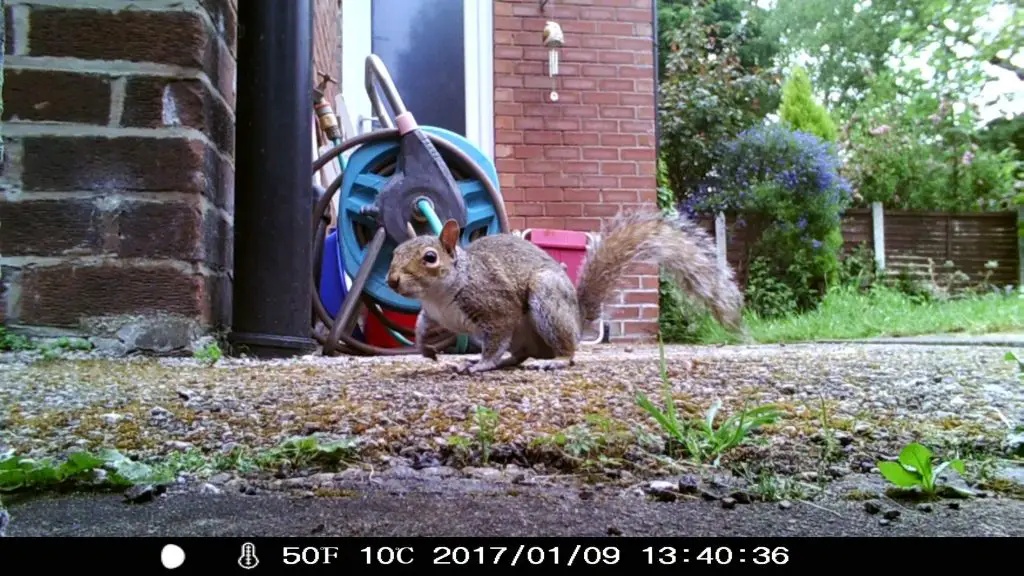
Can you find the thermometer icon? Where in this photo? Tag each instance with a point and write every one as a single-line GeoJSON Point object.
{"type": "Point", "coordinates": [248, 558]}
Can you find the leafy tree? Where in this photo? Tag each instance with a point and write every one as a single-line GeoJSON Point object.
{"type": "Point", "coordinates": [3, 40]}
{"type": "Point", "coordinates": [707, 94]}
{"type": "Point", "coordinates": [757, 50]}
{"type": "Point", "coordinates": [1002, 133]}
{"type": "Point", "coordinates": [800, 111]}
{"type": "Point", "coordinates": [921, 153]}
{"type": "Point", "coordinates": [853, 41]}
{"type": "Point", "coordinates": [848, 42]}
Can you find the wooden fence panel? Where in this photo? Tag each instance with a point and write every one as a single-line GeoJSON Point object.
{"type": "Point", "coordinates": [857, 230]}
{"type": "Point", "coordinates": [969, 241]}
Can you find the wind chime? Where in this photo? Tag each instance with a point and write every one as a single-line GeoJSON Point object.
{"type": "Point", "coordinates": [553, 40]}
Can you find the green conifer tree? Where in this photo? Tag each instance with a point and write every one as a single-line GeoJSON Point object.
{"type": "Point", "coordinates": [799, 110]}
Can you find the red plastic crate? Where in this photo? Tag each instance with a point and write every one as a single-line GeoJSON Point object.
{"type": "Point", "coordinates": [566, 246]}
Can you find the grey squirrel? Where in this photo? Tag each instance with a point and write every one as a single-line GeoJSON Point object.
{"type": "Point", "coordinates": [516, 298]}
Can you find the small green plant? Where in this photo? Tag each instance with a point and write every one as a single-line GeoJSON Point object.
{"type": "Point", "coordinates": [597, 434]}
{"type": "Point", "coordinates": [831, 449]}
{"type": "Point", "coordinates": [238, 458]}
{"type": "Point", "coordinates": [66, 343]}
{"type": "Point", "coordinates": [770, 487]}
{"type": "Point", "coordinates": [597, 441]}
{"type": "Point", "coordinates": [55, 349]}
{"type": "Point", "coordinates": [1012, 357]}
{"type": "Point", "coordinates": [305, 451]}
{"type": "Point", "coordinates": [208, 354]}
{"type": "Point", "coordinates": [296, 451]}
{"type": "Point", "coordinates": [460, 447]}
{"type": "Point", "coordinates": [191, 461]}
{"type": "Point", "coordinates": [486, 422]}
{"type": "Point", "coordinates": [702, 440]}
{"type": "Point", "coordinates": [914, 469]}
{"type": "Point", "coordinates": [13, 342]}
{"type": "Point", "coordinates": [19, 472]}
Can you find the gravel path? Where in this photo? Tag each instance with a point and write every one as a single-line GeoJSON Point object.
{"type": "Point", "coordinates": [877, 399]}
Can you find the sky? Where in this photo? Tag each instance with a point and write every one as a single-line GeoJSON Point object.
{"type": "Point", "coordinates": [1003, 96]}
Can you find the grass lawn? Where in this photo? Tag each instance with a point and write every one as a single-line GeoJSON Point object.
{"type": "Point", "coordinates": [848, 314]}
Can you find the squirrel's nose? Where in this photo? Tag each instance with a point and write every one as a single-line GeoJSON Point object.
{"type": "Point", "coordinates": [393, 281]}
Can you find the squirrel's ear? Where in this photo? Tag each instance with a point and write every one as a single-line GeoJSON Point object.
{"type": "Point", "coordinates": [450, 235]}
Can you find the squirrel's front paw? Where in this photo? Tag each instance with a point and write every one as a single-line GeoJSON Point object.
{"type": "Point", "coordinates": [465, 367]}
{"type": "Point", "coordinates": [550, 365]}
{"type": "Point", "coordinates": [429, 352]}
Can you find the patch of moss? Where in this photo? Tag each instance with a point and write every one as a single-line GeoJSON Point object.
{"type": "Point", "coordinates": [334, 493]}
{"type": "Point", "coordinates": [858, 495]}
{"type": "Point", "coordinates": [1004, 487]}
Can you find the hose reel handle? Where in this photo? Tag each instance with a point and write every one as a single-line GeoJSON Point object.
{"type": "Point", "coordinates": [375, 69]}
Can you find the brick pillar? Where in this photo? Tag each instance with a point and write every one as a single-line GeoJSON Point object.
{"type": "Point", "coordinates": [572, 163]}
{"type": "Point", "coordinates": [118, 178]}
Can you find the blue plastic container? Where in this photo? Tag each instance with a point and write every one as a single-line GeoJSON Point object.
{"type": "Point", "coordinates": [332, 280]}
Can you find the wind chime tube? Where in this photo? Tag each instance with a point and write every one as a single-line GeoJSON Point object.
{"type": "Point", "coordinates": [552, 72]}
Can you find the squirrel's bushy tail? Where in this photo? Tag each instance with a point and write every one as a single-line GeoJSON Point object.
{"type": "Point", "coordinates": [682, 247]}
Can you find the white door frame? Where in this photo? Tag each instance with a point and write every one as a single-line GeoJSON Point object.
{"type": "Point", "coordinates": [479, 68]}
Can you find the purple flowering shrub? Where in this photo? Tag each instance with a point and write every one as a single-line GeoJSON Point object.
{"type": "Point", "coordinates": [788, 183]}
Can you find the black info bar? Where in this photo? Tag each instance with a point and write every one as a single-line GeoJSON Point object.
{"type": "Point", "coordinates": [337, 555]}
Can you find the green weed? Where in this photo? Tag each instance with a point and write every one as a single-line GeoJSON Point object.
{"type": "Point", "coordinates": [486, 422]}
{"type": "Point", "coordinates": [914, 469]}
{"type": "Point", "coordinates": [598, 441]}
{"type": "Point", "coordinates": [306, 451]}
{"type": "Point", "coordinates": [208, 354]}
{"type": "Point", "coordinates": [770, 487]}
{"type": "Point", "coordinates": [55, 349]}
{"type": "Point", "coordinates": [51, 350]}
{"type": "Point", "coordinates": [296, 452]}
{"type": "Point", "coordinates": [190, 462]}
{"type": "Point", "coordinates": [1012, 357]}
{"type": "Point", "coordinates": [13, 342]}
{"type": "Point", "coordinates": [702, 440]}
{"type": "Point", "coordinates": [110, 468]}
{"type": "Point", "coordinates": [461, 448]}
{"type": "Point", "coordinates": [22, 473]}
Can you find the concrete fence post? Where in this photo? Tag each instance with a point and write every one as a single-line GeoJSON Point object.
{"type": "Point", "coordinates": [720, 239]}
{"type": "Point", "coordinates": [878, 233]}
{"type": "Point", "coordinates": [1020, 248]}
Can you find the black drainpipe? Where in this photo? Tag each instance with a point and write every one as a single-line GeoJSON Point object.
{"type": "Point", "coordinates": [271, 300]}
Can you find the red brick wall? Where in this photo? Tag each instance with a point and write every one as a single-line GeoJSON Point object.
{"type": "Point", "coordinates": [326, 52]}
{"type": "Point", "coordinates": [571, 163]}
{"type": "Point", "coordinates": [117, 181]}
{"type": "Point", "coordinates": [118, 126]}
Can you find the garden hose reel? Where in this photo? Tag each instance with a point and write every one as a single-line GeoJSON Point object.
{"type": "Point", "coordinates": [400, 179]}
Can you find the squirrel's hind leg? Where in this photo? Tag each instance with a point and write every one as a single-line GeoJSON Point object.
{"type": "Point", "coordinates": [554, 314]}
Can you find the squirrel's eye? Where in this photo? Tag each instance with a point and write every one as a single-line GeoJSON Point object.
{"type": "Point", "coordinates": [430, 257]}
